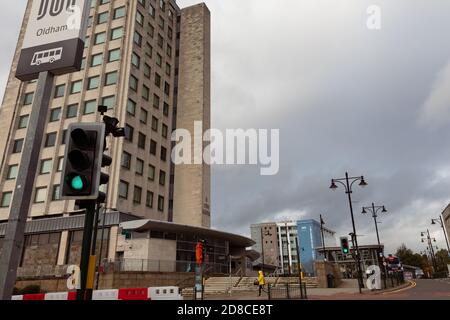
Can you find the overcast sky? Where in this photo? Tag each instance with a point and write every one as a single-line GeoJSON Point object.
{"type": "Point", "coordinates": [375, 103]}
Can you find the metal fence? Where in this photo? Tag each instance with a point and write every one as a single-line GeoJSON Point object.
{"type": "Point", "coordinates": [287, 291]}
{"type": "Point", "coordinates": [140, 265]}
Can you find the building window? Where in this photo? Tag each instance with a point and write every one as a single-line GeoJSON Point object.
{"type": "Point", "coordinates": [114, 55]}
{"type": "Point", "coordinates": [133, 83]}
{"type": "Point", "coordinates": [100, 38]}
{"type": "Point", "coordinates": [139, 167]}
{"type": "Point", "coordinates": [50, 140]}
{"type": "Point", "coordinates": [141, 140]}
{"type": "Point", "coordinates": [59, 90]}
{"type": "Point", "coordinates": [28, 99]}
{"type": "Point", "coordinates": [131, 107]}
{"type": "Point", "coordinates": [126, 160]}
{"type": "Point", "coordinates": [137, 195]}
{"type": "Point", "coordinates": [111, 78]}
{"type": "Point", "coordinates": [163, 154]}
{"type": "Point", "coordinates": [18, 144]}
{"type": "Point", "coordinates": [23, 121]}
{"type": "Point", "coordinates": [72, 111]}
{"type": "Point", "coordinates": [56, 193]}
{"type": "Point", "coordinates": [6, 199]}
{"type": "Point", "coordinates": [155, 124]}
{"type": "Point", "coordinates": [116, 33]}
{"type": "Point", "coordinates": [90, 107]}
{"type": "Point", "coordinates": [123, 189]}
{"type": "Point", "coordinates": [119, 12]}
{"type": "Point", "coordinates": [60, 163]}
{"type": "Point", "coordinates": [162, 178]}
{"type": "Point", "coordinates": [109, 102]}
{"type": "Point", "coordinates": [40, 195]}
{"type": "Point", "coordinates": [97, 60]}
{"type": "Point", "coordinates": [151, 173]}
{"type": "Point", "coordinates": [93, 82]}
{"type": "Point", "coordinates": [153, 147]}
{"type": "Point", "coordinates": [102, 17]}
{"type": "Point", "coordinates": [156, 101]}
{"type": "Point", "coordinates": [161, 203]}
{"type": "Point", "coordinates": [165, 131]}
{"type": "Point", "coordinates": [55, 114]}
{"type": "Point", "coordinates": [13, 170]}
{"type": "Point", "coordinates": [149, 199]}
{"type": "Point", "coordinates": [129, 133]}
{"type": "Point", "coordinates": [76, 87]}
{"type": "Point", "coordinates": [46, 166]}
{"type": "Point", "coordinates": [144, 116]}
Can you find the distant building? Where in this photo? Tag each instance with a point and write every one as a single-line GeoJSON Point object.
{"type": "Point", "coordinates": [310, 239]}
{"type": "Point", "coordinates": [446, 219]}
{"type": "Point", "coordinates": [279, 245]}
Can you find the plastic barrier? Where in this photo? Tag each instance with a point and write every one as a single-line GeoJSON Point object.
{"type": "Point", "coordinates": [165, 293]}
{"type": "Point", "coordinates": [72, 296]}
{"type": "Point", "coordinates": [30, 297]}
{"type": "Point", "coordinates": [134, 294]}
{"type": "Point", "coordinates": [156, 293]}
{"type": "Point", "coordinates": [105, 295]}
{"type": "Point", "coordinates": [57, 296]}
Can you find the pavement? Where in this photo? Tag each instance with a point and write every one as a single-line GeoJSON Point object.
{"type": "Point", "coordinates": [421, 289]}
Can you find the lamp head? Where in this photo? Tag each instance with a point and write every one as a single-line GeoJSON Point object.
{"type": "Point", "coordinates": [333, 185]}
{"type": "Point", "coordinates": [432, 221]}
{"type": "Point", "coordinates": [384, 209]}
{"type": "Point", "coordinates": [363, 183]}
{"type": "Point", "coordinates": [364, 211]}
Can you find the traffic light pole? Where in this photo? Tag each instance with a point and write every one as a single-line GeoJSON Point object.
{"type": "Point", "coordinates": [20, 205]}
{"type": "Point", "coordinates": [86, 248]}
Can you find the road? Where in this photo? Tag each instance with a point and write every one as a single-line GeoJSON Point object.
{"type": "Point", "coordinates": [418, 290]}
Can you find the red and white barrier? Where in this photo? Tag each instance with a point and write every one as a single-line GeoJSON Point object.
{"type": "Point", "coordinates": [130, 294]}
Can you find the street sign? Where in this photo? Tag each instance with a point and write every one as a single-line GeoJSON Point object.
{"type": "Point", "coordinates": [54, 38]}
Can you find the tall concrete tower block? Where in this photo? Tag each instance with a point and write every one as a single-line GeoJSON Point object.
{"type": "Point", "coordinates": [192, 195]}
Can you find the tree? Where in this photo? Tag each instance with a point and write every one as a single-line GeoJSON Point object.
{"type": "Point", "coordinates": [442, 260]}
{"type": "Point", "coordinates": [408, 257]}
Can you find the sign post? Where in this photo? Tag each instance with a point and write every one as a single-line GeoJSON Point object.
{"type": "Point", "coordinates": [53, 45]}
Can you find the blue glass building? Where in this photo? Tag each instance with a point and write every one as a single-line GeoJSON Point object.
{"type": "Point", "coordinates": [309, 239]}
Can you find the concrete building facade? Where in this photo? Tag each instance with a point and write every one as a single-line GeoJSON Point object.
{"type": "Point", "coordinates": [280, 245]}
{"type": "Point", "coordinates": [446, 220]}
{"type": "Point", "coordinates": [148, 61]}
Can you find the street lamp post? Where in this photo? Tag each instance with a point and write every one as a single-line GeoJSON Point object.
{"type": "Point", "coordinates": [348, 182]}
{"type": "Point", "coordinates": [439, 221]}
{"type": "Point", "coordinates": [430, 247]}
{"type": "Point", "coordinates": [374, 210]}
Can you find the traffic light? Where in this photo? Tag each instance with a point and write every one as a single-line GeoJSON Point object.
{"type": "Point", "coordinates": [199, 253]}
{"type": "Point", "coordinates": [81, 174]}
{"type": "Point", "coordinates": [344, 245]}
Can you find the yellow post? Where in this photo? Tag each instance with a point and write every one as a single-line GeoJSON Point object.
{"type": "Point", "coordinates": [91, 272]}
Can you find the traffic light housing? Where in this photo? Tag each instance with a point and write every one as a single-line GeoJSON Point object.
{"type": "Point", "coordinates": [199, 253]}
{"type": "Point", "coordinates": [345, 248]}
{"type": "Point", "coordinates": [83, 160]}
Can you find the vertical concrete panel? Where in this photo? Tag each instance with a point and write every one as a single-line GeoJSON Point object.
{"type": "Point", "coordinates": [192, 199]}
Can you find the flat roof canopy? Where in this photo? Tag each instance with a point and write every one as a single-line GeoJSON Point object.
{"type": "Point", "coordinates": [142, 226]}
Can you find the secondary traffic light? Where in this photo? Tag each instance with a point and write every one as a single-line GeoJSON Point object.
{"type": "Point", "coordinates": [344, 245]}
{"type": "Point", "coordinates": [199, 253]}
{"type": "Point", "coordinates": [81, 175]}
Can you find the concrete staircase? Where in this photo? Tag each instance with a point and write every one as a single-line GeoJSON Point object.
{"type": "Point", "coordinates": [247, 283]}
{"type": "Point", "coordinates": [221, 285]}
{"type": "Point", "coordinates": [215, 285]}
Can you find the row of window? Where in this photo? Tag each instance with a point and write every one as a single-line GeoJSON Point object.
{"type": "Point", "coordinates": [40, 196]}
{"type": "Point", "coordinates": [142, 142]}
{"type": "Point", "coordinates": [137, 196]}
{"type": "Point", "coordinates": [139, 168]}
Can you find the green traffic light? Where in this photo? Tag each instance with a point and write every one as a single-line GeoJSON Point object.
{"type": "Point", "coordinates": [345, 251]}
{"type": "Point", "coordinates": [77, 183]}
